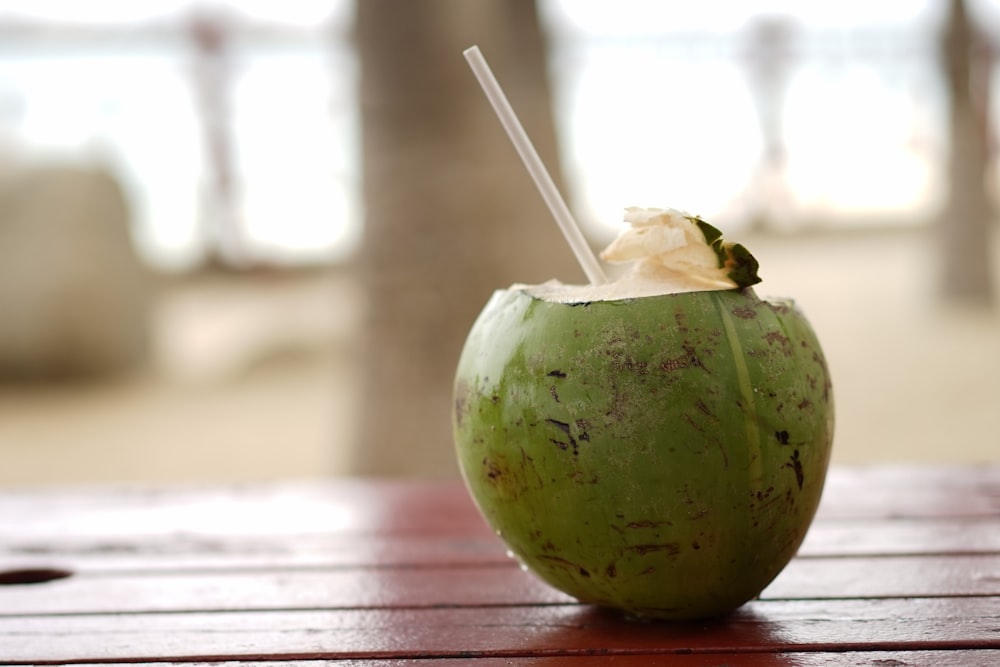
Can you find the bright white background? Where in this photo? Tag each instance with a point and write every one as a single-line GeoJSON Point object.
{"type": "Point", "coordinates": [652, 102]}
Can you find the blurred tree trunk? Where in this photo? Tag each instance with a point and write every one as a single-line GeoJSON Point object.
{"type": "Point", "coordinates": [450, 213]}
{"type": "Point", "coordinates": [964, 228]}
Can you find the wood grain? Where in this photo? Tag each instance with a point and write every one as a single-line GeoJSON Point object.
{"type": "Point", "coordinates": [901, 567]}
{"type": "Point", "coordinates": [502, 631]}
{"type": "Point", "coordinates": [436, 586]}
{"type": "Point", "coordinates": [185, 551]}
{"type": "Point", "coordinates": [943, 658]}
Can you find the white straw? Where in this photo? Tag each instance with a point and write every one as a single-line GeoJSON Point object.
{"type": "Point", "coordinates": [570, 229]}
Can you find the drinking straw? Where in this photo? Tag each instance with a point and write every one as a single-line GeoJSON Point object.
{"type": "Point", "coordinates": [568, 225]}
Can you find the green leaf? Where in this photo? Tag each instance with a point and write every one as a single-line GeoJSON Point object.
{"type": "Point", "coordinates": [740, 264]}
{"type": "Point", "coordinates": [712, 234]}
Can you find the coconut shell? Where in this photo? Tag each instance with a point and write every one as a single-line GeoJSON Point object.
{"type": "Point", "coordinates": [661, 455]}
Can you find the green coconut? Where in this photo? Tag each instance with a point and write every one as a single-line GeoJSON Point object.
{"type": "Point", "coordinates": [663, 455]}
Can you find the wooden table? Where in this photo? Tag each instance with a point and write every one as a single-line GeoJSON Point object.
{"type": "Point", "coordinates": [902, 567]}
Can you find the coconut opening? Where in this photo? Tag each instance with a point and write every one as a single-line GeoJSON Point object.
{"type": "Point", "coordinates": [623, 288]}
{"type": "Point", "coordinates": [669, 252]}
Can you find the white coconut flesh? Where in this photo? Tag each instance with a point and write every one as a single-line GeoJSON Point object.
{"type": "Point", "coordinates": [669, 252]}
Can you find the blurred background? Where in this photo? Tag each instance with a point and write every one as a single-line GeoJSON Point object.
{"type": "Point", "coordinates": [245, 240]}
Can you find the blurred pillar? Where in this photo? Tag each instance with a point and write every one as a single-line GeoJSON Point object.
{"type": "Point", "coordinates": [450, 213]}
{"type": "Point", "coordinates": [964, 227]}
{"type": "Point", "coordinates": [210, 35]}
{"type": "Point", "coordinates": [768, 61]}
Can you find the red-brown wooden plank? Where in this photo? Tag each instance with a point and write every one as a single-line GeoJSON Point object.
{"type": "Point", "coordinates": [339, 506]}
{"type": "Point", "coordinates": [828, 625]}
{"type": "Point", "coordinates": [959, 658]}
{"type": "Point", "coordinates": [185, 552]}
{"type": "Point", "coordinates": [977, 535]}
{"type": "Point", "coordinates": [463, 586]}
{"type": "Point", "coordinates": [962, 535]}
{"type": "Point", "coordinates": [819, 578]}
{"type": "Point", "coordinates": [901, 491]}
{"type": "Point", "coordinates": [179, 541]}
{"type": "Point", "coordinates": [424, 508]}
{"type": "Point", "coordinates": [269, 590]}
